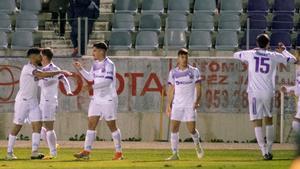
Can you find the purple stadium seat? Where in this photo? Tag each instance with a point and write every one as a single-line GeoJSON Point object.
{"type": "Point", "coordinates": [283, 22]}
{"type": "Point", "coordinates": [258, 22]}
{"type": "Point", "coordinates": [258, 7]}
{"type": "Point", "coordinates": [284, 6]}
{"type": "Point", "coordinates": [253, 33]}
{"type": "Point", "coordinates": [280, 36]}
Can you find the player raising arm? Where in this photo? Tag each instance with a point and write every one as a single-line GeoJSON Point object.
{"type": "Point", "coordinates": [262, 65]}
{"type": "Point", "coordinates": [104, 103]}
{"type": "Point", "coordinates": [26, 103]}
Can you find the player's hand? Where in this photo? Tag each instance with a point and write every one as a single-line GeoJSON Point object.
{"type": "Point", "coordinates": [77, 65]}
{"type": "Point", "coordinates": [283, 89]}
{"type": "Point", "coordinates": [70, 94]}
{"type": "Point", "coordinates": [196, 105]}
{"type": "Point", "coordinates": [66, 73]}
{"type": "Point", "coordinates": [168, 111]}
{"type": "Point", "coordinates": [280, 47]}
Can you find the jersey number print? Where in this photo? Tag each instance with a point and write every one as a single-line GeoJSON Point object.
{"type": "Point", "coordinates": [262, 65]}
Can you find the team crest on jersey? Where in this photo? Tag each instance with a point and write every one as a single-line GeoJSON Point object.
{"type": "Point", "coordinates": [191, 75]}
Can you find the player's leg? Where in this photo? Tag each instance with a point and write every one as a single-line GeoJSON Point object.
{"type": "Point", "coordinates": [51, 138]}
{"type": "Point", "coordinates": [21, 113]}
{"type": "Point", "coordinates": [255, 110]}
{"type": "Point", "coordinates": [191, 126]}
{"type": "Point", "coordinates": [268, 105]}
{"type": "Point", "coordinates": [116, 135]}
{"type": "Point", "coordinates": [35, 117]}
{"type": "Point", "coordinates": [174, 139]}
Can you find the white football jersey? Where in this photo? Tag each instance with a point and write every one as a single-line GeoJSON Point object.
{"type": "Point", "coordinates": [49, 86]}
{"type": "Point", "coordinates": [28, 83]}
{"type": "Point", "coordinates": [262, 68]}
{"type": "Point", "coordinates": [184, 82]}
{"type": "Point", "coordinates": [296, 88]}
{"type": "Point", "coordinates": [103, 74]}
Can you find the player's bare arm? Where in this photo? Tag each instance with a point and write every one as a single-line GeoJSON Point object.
{"type": "Point", "coordinates": [198, 95]}
{"type": "Point", "coordinates": [170, 95]}
{"type": "Point", "coordinates": [44, 74]}
{"type": "Point", "coordinates": [87, 75]}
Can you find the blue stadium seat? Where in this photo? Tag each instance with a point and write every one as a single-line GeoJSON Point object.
{"type": "Point", "coordinates": [22, 40]}
{"type": "Point", "coordinates": [146, 40]}
{"type": "Point", "coordinates": [175, 39]}
{"type": "Point", "coordinates": [150, 22]}
{"type": "Point", "coordinates": [34, 6]}
{"type": "Point", "coordinates": [253, 33]}
{"type": "Point", "coordinates": [153, 6]}
{"type": "Point", "coordinates": [202, 21]}
{"type": "Point", "coordinates": [258, 7]}
{"type": "Point", "coordinates": [126, 6]}
{"type": "Point", "coordinates": [282, 22]}
{"type": "Point", "coordinates": [200, 40]}
{"type": "Point", "coordinates": [120, 40]}
{"type": "Point", "coordinates": [231, 6]}
{"type": "Point", "coordinates": [3, 40]}
{"type": "Point", "coordinates": [284, 6]}
{"type": "Point", "coordinates": [177, 21]}
{"type": "Point", "coordinates": [280, 36]}
{"type": "Point", "coordinates": [123, 22]}
{"type": "Point", "coordinates": [258, 22]}
{"type": "Point", "coordinates": [8, 6]}
{"type": "Point", "coordinates": [227, 40]}
{"type": "Point", "coordinates": [298, 41]}
{"type": "Point", "coordinates": [5, 24]}
{"type": "Point", "coordinates": [179, 6]}
{"type": "Point", "coordinates": [27, 21]}
{"type": "Point", "coordinates": [207, 6]}
{"type": "Point", "coordinates": [229, 21]}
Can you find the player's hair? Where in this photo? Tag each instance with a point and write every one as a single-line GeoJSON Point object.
{"type": "Point", "coordinates": [101, 45]}
{"type": "Point", "coordinates": [183, 51]}
{"type": "Point", "coordinates": [33, 51]}
{"type": "Point", "coordinates": [48, 53]}
{"type": "Point", "coordinates": [262, 40]}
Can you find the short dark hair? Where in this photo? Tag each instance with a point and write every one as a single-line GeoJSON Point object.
{"type": "Point", "coordinates": [262, 40]}
{"type": "Point", "coordinates": [48, 53]}
{"type": "Point", "coordinates": [183, 51]}
{"type": "Point", "coordinates": [33, 51]}
{"type": "Point", "coordinates": [101, 45]}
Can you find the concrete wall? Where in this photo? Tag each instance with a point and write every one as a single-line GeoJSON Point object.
{"type": "Point", "coordinates": [141, 88]}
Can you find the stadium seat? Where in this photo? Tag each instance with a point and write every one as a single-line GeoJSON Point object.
{"type": "Point", "coordinates": [280, 36]}
{"type": "Point", "coordinates": [3, 40]}
{"type": "Point", "coordinates": [253, 33]}
{"type": "Point", "coordinates": [258, 22]}
{"type": "Point", "coordinates": [229, 21]}
{"type": "Point", "coordinates": [34, 6]}
{"type": "Point", "coordinates": [282, 22]}
{"type": "Point", "coordinates": [26, 21]}
{"type": "Point", "coordinates": [202, 21]}
{"type": "Point", "coordinates": [179, 6]}
{"type": "Point", "coordinates": [5, 24]}
{"type": "Point", "coordinates": [126, 6]}
{"type": "Point", "coordinates": [284, 6]}
{"type": "Point", "coordinates": [146, 40]}
{"type": "Point", "coordinates": [176, 21]}
{"type": "Point", "coordinates": [153, 6]}
{"type": "Point", "coordinates": [227, 40]}
{"type": "Point", "coordinates": [298, 41]}
{"type": "Point", "coordinates": [22, 40]}
{"type": "Point", "coordinates": [120, 40]}
{"type": "Point", "coordinates": [150, 22]}
{"type": "Point", "coordinates": [231, 6]}
{"type": "Point", "coordinates": [123, 22]}
{"type": "Point", "coordinates": [200, 40]}
{"type": "Point", "coordinates": [175, 39]}
{"type": "Point", "coordinates": [207, 6]}
{"type": "Point", "coordinates": [260, 7]}
{"type": "Point", "coordinates": [8, 6]}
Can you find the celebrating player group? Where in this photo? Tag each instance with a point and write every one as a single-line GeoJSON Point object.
{"type": "Point", "coordinates": [184, 92]}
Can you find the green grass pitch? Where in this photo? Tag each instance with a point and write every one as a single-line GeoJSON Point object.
{"type": "Point", "coordinates": [151, 159]}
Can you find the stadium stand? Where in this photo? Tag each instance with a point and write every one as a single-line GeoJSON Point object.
{"type": "Point", "coordinates": [34, 6]}
{"type": "Point", "coordinates": [22, 40]}
{"type": "Point", "coordinates": [192, 18]}
{"type": "Point", "coordinates": [3, 40]}
{"type": "Point", "coordinates": [146, 40]}
{"type": "Point", "coordinates": [280, 36]}
{"type": "Point", "coordinates": [26, 21]}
